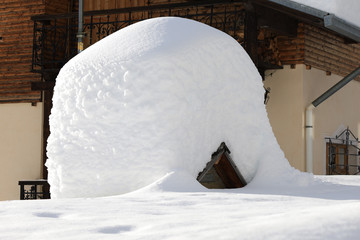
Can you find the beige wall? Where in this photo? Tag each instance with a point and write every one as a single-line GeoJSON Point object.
{"type": "Point", "coordinates": [20, 146]}
{"type": "Point", "coordinates": [339, 111]}
{"type": "Point", "coordinates": [292, 90]}
{"type": "Point", "coordinates": [285, 111]}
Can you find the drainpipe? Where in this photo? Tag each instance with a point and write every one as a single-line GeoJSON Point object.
{"type": "Point", "coordinates": [80, 33]}
{"type": "Point", "coordinates": [309, 134]}
{"type": "Point", "coordinates": [309, 115]}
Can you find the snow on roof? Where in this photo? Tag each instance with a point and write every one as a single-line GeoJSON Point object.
{"type": "Point", "coordinates": [157, 97]}
{"type": "Point", "coordinates": [347, 10]}
{"type": "Point", "coordinates": [335, 15]}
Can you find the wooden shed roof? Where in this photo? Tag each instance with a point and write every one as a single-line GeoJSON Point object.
{"type": "Point", "coordinates": [221, 171]}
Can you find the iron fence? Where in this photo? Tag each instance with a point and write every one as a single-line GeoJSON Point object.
{"type": "Point", "coordinates": [343, 154]}
{"type": "Point", "coordinates": [34, 189]}
{"type": "Point", "coordinates": [54, 39]}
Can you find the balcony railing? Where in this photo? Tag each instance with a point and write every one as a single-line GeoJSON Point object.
{"type": "Point", "coordinates": [54, 40]}
{"type": "Point", "coordinates": [343, 154]}
{"type": "Point", "coordinates": [34, 189]}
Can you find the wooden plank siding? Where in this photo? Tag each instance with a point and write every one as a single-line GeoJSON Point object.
{"type": "Point", "coordinates": [59, 6]}
{"type": "Point", "coordinates": [16, 32]}
{"type": "Point", "coordinates": [329, 52]}
{"type": "Point", "coordinates": [91, 5]}
{"type": "Point", "coordinates": [291, 49]}
{"type": "Point", "coordinates": [16, 44]}
{"type": "Point", "coordinates": [321, 49]}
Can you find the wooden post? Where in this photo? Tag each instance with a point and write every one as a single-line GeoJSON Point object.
{"type": "Point", "coordinates": [22, 192]}
{"type": "Point", "coordinates": [251, 34]}
{"type": "Point", "coordinates": [48, 89]}
{"type": "Point", "coordinates": [46, 126]}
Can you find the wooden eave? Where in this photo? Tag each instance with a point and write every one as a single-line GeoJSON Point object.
{"type": "Point", "coordinates": [301, 16]}
{"type": "Point", "coordinates": [317, 19]}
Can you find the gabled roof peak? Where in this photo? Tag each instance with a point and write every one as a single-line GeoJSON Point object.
{"type": "Point", "coordinates": [221, 171]}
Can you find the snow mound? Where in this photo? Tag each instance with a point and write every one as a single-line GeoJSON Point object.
{"type": "Point", "coordinates": [176, 181]}
{"type": "Point", "coordinates": [156, 97]}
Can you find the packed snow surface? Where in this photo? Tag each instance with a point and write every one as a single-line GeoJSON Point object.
{"type": "Point", "coordinates": [164, 211]}
{"type": "Point", "coordinates": [345, 9]}
{"type": "Point", "coordinates": [156, 97]}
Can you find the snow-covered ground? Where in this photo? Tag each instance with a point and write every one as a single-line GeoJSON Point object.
{"type": "Point", "coordinates": [165, 210]}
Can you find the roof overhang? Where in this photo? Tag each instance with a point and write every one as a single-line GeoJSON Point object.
{"type": "Point", "coordinates": [329, 21]}
{"type": "Point", "coordinates": [342, 27]}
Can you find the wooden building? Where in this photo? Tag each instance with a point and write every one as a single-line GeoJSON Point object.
{"type": "Point", "coordinates": [299, 51]}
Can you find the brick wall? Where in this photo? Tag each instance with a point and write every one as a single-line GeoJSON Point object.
{"type": "Point", "coordinates": [16, 38]}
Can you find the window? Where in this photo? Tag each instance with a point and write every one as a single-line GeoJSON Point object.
{"type": "Point", "coordinates": [336, 159]}
{"type": "Point", "coordinates": [343, 154]}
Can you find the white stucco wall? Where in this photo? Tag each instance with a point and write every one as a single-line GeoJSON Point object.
{"type": "Point", "coordinates": [292, 90]}
{"type": "Point", "coordinates": [20, 146]}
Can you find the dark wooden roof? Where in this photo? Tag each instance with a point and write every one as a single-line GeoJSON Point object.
{"type": "Point", "coordinates": [221, 171]}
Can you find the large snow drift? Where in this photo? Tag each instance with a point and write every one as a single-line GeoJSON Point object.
{"type": "Point", "coordinates": [156, 97]}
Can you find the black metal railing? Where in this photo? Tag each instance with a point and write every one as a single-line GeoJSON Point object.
{"type": "Point", "coordinates": [34, 189]}
{"type": "Point", "coordinates": [343, 154]}
{"type": "Point", "coordinates": [54, 40]}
